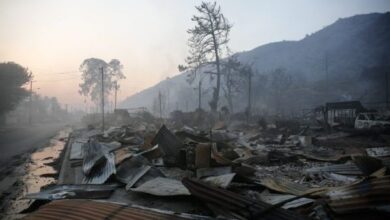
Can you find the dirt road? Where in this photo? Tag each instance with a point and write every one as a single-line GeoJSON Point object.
{"type": "Point", "coordinates": [19, 140]}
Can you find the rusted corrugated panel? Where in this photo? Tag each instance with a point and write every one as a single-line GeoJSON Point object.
{"type": "Point", "coordinates": [86, 209]}
{"type": "Point", "coordinates": [122, 154]}
{"type": "Point", "coordinates": [371, 193]}
{"type": "Point", "coordinates": [202, 155]}
{"type": "Point", "coordinates": [218, 157]}
{"type": "Point", "coordinates": [236, 205]}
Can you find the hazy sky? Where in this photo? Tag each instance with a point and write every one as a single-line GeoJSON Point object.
{"type": "Point", "coordinates": [53, 37]}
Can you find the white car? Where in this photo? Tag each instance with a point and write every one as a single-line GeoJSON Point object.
{"type": "Point", "coordinates": [371, 120]}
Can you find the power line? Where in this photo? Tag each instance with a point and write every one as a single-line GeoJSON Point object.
{"type": "Point", "coordinates": [57, 80]}
{"type": "Point", "coordinates": [70, 72]}
{"type": "Point", "coordinates": [65, 72]}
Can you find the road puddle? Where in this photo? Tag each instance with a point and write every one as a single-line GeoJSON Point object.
{"type": "Point", "coordinates": [40, 170]}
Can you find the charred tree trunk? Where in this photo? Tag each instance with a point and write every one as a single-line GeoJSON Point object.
{"type": "Point", "coordinates": [214, 103]}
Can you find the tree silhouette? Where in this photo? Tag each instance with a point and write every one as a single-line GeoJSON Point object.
{"type": "Point", "coordinates": [208, 42]}
{"type": "Point", "coordinates": [12, 78]}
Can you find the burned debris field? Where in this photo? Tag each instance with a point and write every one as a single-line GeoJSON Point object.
{"type": "Point", "coordinates": [197, 109]}
{"type": "Point", "coordinates": [269, 169]}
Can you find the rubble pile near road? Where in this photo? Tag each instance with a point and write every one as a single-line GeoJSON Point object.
{"type": "Point", "coordinates": [232, 171]}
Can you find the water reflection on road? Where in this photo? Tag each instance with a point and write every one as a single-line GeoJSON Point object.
{"type": "Point", "coordinates": [37, 172]}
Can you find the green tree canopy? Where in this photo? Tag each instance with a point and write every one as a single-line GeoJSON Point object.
{"type": "Point", "coordinates": [12, 79]}
{"type": "Point", "coordinates": [92, 77]}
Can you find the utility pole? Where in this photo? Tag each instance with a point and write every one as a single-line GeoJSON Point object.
{"type": "Point", "coordinates": [200, 95]}
{"type": "Point", "coordinates": [386, 72]}
{"type": "Point", "coordinates": [102, 98]}
{"type": "Point", "coordinates": [30, 105]}
{"type": "Point", "coordinates": [116, 89]}
{"type": "Point", "coordinates": [387, 89]}
{"type": "Point", "coordinates": [86, 106]}
{"type": "Point", "coordinates": [326, 75]}
{"type": "Point", "coordinates": [249, 94]}
{"type": "Point", "coordinates": [159, 100]}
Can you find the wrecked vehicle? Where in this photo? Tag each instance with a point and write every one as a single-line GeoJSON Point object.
{"type": "Point", "coordinates": [371, 120]}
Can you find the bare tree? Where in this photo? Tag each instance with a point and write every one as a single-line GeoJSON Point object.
{"type": "Point", "coordinates": [208, 42]}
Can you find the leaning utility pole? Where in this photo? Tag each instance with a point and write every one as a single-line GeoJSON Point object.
{"type": "Point", "coordinates": [30, 105]}
{"type": "Point", "coordinates": [102, 98]}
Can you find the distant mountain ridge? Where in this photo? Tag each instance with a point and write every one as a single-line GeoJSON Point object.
{"type": "Point", "coordinates": [349, 44]}
{"type": "Point", "coordinates": [340, 51]}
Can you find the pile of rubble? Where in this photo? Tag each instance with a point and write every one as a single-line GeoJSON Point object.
{"type": "Point", "coordinates": [228, 172]}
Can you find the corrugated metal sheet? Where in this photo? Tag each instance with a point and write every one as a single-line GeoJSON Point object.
{"type": "Point", "coordinates": [93, 154]}
{"type": "Point", "coordinates": [346, 169]}
{"type": "Point", "coordinates": [86, 209]}
{"type": "Point", "coordinates": [285, 186]}
{"type": "Point", "coordinates": [169, 144]}
{"type": "Point", "coordinates": [367, 164]}
{"type": "Point", "coordinates": [163, 187]}
{"type": "Point", "coordinates": [82, 191]}
{"type": "Point", "coordinates": [76, 151]}
{"type": "Point", "coordinates": [222, 181]}
{"type": "Point", "coordinates": [88, 134]}
{"type": "Point", "coordinates": [213, 171]}
{"type": "Point", "coordinates": [371, 193]}
{"type": "Point", "coordinates": [234, 205]}
{"type": "Point", "coordinates": [378, 151]}
{"type": "Point", "coordinates": [324, 155]}
{"type": "Point", "coordinates": [100, 174]}
{"type": "Point", "coordinates": [273, 199]}
{"type": "Point", "coordinates": [98, 163]}
{"type": "Point", "coordinates": [131, 170]}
